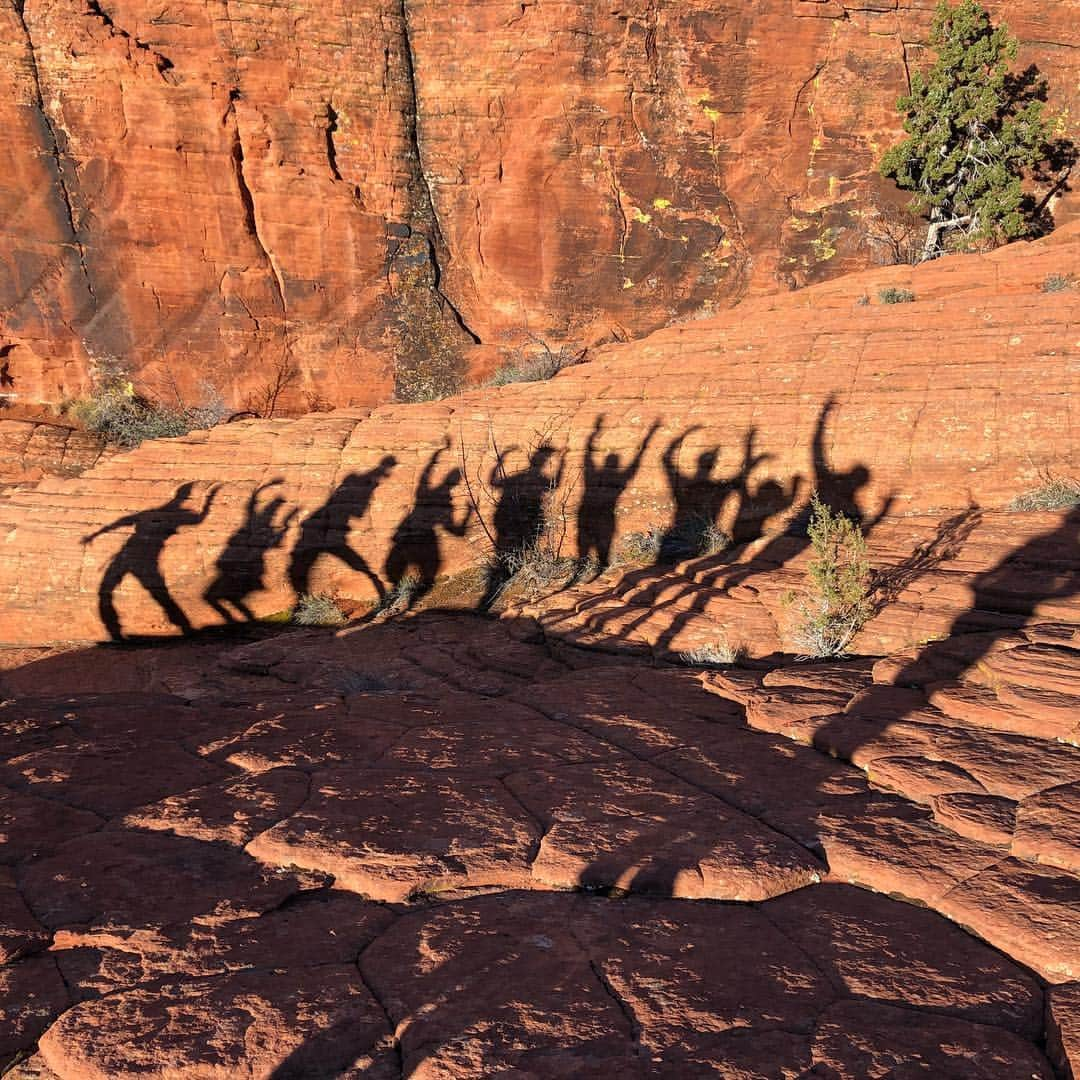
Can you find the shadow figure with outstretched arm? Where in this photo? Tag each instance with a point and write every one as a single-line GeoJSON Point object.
{"type": "Point", "coordinates": [416, 550]}
{"type": "Point", "coordinates": [519, 517]}
{"type": "Point", "coordinates": [140, 556]}
{"type": "Point", "coordinates": [325, 531]}
{"type": "Point", "coordinates": [241, 567]}
{"type": "Point", "coordinates": [604, 486]}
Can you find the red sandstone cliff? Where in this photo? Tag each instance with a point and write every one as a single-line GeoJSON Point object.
{"type": "Point", "coordinates": [959, 398]}
{"type": "Point", "coordinates": [214, 188]}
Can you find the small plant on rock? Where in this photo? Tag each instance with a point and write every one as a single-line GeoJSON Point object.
{"type": "Point", "coordinates": [123, 416]}
{"type": "Point", "coordinates": [639, 547]}
{"type": "Point", "coordinates": [719, 653]}
{"type": "Point", "coordinates": [535, 366]}
{"type": "Point", "coordinates": [403, 595]}
{"type": "Point", "coordinates": [896, 296]}
{"type": "Point", "coordinates": [1055, 283]}
{"type": "Point", "coordinates": [694, 538]}
{"type": "Point", "coordinates": [317, 609]}
{"type": "Point", "coordinates": [1054, 493]}
{"type": "Point", "coordinates": [839, 601]}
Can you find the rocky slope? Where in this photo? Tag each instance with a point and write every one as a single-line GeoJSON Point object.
{"type": "Point", "coordinates": [959, 398]}
{"type": "Point", "coordinates": [220, 191]}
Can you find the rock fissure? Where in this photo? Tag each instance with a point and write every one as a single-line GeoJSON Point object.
{"type": "Point", "coordinates": [55, 153]}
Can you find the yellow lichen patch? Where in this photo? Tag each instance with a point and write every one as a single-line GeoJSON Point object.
{"type": "Point", "coordinates": [661, 204]}
{"type": "Point", "coordinates": [711, 113]}
{"type": "Point", "coordinates": [641, 216]}
{"type": "Point", "coordinates": [823, 246]}
{"type": "Point", "coordinates": [627, 283]}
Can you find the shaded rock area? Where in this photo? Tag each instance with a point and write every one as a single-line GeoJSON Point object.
{"type": "Point", "coordinates": [452, 846]}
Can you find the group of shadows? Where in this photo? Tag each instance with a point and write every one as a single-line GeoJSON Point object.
{"type": "Point", "coordinates": [512, 507]}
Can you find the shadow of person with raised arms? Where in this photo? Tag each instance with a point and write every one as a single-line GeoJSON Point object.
{"type": "Point", "coordinates": [241, 567]}
{"type": "Point", "coordinates": [140, 556]}
{"type": "Point", "coordinates": [604, 486]}
{"type": "Point", "coordinates": [415, 546]}
{"type": "Point", "coordinates": [518, 520]}
{"type": "Point", "coordinates": [325, 531]}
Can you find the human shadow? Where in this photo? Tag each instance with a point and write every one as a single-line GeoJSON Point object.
{"type": "Point", "coordinates": [415, 547]}
{"type": "Point", "coordinates": [140, 556]}
{"type": "Point", "coordinates": [325, 531]}
{"type": "Point", "coordinates": [698, 497]}
{"type": "Point", "coordinates": [1005, 597]}
{"type": "Point", "coordinates": [519, 519]}
{"type": "Point", "coordinates": [604, 485]}
{"type": "Point", "coordinates": [241, 567]}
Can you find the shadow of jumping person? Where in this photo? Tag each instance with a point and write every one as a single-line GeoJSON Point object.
{"type": "Point", "coordinates": [839, 490]}
{"type": "Point", "coordinates": [325, 531]}
{"type": "Point", "coordinates": [604, 486]}
{"type": "Point", "coordinates": [241, 567]}
{"type": "Point", "coordinates": [415, 546]}
{"type": "Point", "coordinates": [699, 498]}
{"type": "Point", "coordinates": [140, 556]}
{"type": "Point", "coordinates": [519, 518]}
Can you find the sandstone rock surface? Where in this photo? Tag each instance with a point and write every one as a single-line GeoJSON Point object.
{"type": "Point", "coordinates": [235, 192]}
{"type": "Point", "coordinates": [582, 865]}
{"type": "Point", "coordinates": [737, 418]}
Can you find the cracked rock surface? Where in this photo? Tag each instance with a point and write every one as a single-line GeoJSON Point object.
{"type": "Point", "coordinates": [507, 855]}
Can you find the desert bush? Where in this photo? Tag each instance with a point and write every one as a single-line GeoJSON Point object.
{"type": "Point", "coordinates": [317, 609]}
{"type": "Point", "coordinates": [533, 367]}
{"type": "Point", "coordinates": [719, 653]}
{"type": "Point", "coordinates": [1054, 493]}
{"type": "Point", "coordinates": [896, 296]}
{"type": "Point", "coordinates": [839, 597]}
{"type": "Point", "coordinates": [540, 565]}
{"type": "Point", "coordinates": [402, 596]}
{"type": "Point", "coordinates": [1057, 283]}
{"type": "Point", "coordinates": [693, 538]}
{"type": "Point", "coordinates": [121, 415]}
{"type": "Point", "coordinates": [639, 547]}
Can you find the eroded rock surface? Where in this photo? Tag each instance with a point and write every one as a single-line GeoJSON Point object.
{"type": "Point", "coordinates": [306, 185]}
{"type": "Point", "coordinates": [444, 845]}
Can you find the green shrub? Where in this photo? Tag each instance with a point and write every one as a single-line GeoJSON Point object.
{"type": "Point", "coordinates": [317, 609]}
{"type": "Point", "coordinates": [1055, 493]}
{"type": "Point", "coordinates": [117, 412]}
{"type": "Point", "coordinates": [839, 597]}
{"type": "Point", "coordinates": [896, 296]}
{"type": "Point", "coordinates": [1057, 283]}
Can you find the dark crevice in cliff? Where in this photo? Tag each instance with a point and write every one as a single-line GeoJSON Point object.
{"type": "Point", "coordinates": [331, 149]}
{"type": "Point", "coordinates": [802, 90]}
{"type": "Point", "coordinates": [53, 149]}
{"type": "Point", "coordinates": [426, 218]}
{"type": "Point", "coordinates": [162, 63]}
{"type": "Point", "coordinates": [247, 198]}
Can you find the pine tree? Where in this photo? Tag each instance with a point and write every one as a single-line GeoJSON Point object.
{"type": "Point", "coordinates": [975, 132]}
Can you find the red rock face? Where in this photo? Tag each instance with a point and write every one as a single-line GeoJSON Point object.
{"type": "Point", "coordinates": [740, 417]}
{"type": "Point", "coordinates": [223, 192]}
